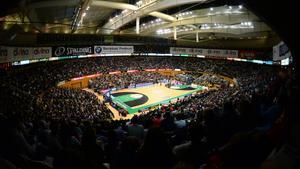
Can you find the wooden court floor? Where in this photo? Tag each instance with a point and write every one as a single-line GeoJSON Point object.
{"type": "Point", "coordinates": [156, 94]}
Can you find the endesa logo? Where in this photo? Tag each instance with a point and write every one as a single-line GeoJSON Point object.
{"type": "Point", "coordinates": [3, 52]}
{"type": "Point", "coordinates": [59, 51]}
{"type": "Point", "coordinates": [41, 51]}
{"type": "Point", "coordinates": [21, 52]}
{"type": "Point", "coordinates": [98, 49]}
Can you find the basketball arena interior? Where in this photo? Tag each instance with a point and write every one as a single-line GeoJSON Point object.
{"type": "Point", "coordinates": [149, 84]}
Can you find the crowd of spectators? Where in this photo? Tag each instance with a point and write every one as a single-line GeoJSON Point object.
{"type": "Point", "coordinates": [73, 104]}
{"type": "Point", "coordinates": [124, 80]}
{"type": "Point", "coordinates": [207, 79]}
{"type": "Point", "coordinates": [44, 126]}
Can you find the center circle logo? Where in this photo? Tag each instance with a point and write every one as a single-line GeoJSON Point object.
{"type": "Point", "coordinates": [136, 96]}
{"type": "Point", "coordinates": [59, 51]}
{"type": "Point", "coordinates": [98, 49]}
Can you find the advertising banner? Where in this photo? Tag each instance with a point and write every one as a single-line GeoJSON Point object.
{"type": "Point", "coordinates": [205, 52]}
{"type": "Point", "coordinates": [113, 73]}
{"type": "Point", "coordinates": [13, 54]}
{"type": "Point", "coordinates": [143, 85]}
{"type": "Point", "coordinates": [150, 70]}
{"type": "Point", "coordinates": [3, 54]}
{"type": "Point", "coordinates": [132, 71]}
{"type": "Point", "coordinates": [131, 86]}
{"type": "Point", "coordinates": [113, 49]}
{"type": "Point", "coordinates": [248, 54]}
{"type": "Point", "coordinates": [281, 52]}
{"type": "Point", "coordinates": [72, 51]}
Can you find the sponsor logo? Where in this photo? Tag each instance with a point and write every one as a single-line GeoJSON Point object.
{"type": "Point", "coordinates": [3, 52]}
{"type": "Point", "coordinates": [40, 51]}
{"type": "Point", "coordinates": [113, 49]}
{"type": "Point", "coordinates": [283, 49]}
{"type": "Point", "coordinates": [98, 49]}
{"type": "Point", "coordinates": [20, 52]}
{"type": "Point", "coordinates": [74, 51]}
{"type": "Point", "coordinates": [59, 51]}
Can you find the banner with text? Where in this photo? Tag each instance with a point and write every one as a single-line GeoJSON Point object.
{"type": "Point", "coordinates": [204, 52]}
{"type": "Point", "coordinates": [113, 49]}
{"type": "Point", "coordinates": [281, 52]}
{"type": "Point", "coordinates": [3, 54]}
{"type": "Point", "coordinates": [248, 54]}
{"type": "Point", "coordinates": [13, 54]}
{"type": "Point", "coordinates": [72, 51]}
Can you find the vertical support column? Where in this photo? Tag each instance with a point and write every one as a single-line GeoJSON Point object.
{"type": "Point", "coordinates": [175, 33]}
{"type": "Point", "coordinates": [197, 37]}
{"type": "Point", "coordinates": [137, 28]}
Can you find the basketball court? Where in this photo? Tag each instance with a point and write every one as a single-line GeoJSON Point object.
{"type": "Point", "coordinates": [136, 99]}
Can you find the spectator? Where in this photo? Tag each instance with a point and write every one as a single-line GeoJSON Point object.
{"type": "Point", "coordinates": [134, 129]}
{"type": "Point", "coordinates": [155, 152]}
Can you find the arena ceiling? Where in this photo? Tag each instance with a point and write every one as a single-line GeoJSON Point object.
{"type": "Point", "coordinates": [175, 19]}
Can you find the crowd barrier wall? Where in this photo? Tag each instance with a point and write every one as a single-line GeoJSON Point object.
{"type": "Point", "coordinates": [75, 84]}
